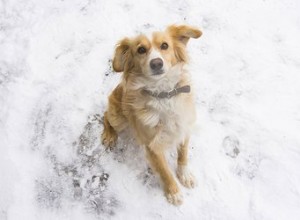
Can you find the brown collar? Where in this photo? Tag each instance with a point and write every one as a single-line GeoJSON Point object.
{"type": "Point", "coordinates": [170, 94]}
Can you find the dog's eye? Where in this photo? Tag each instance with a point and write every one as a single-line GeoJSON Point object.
{"type": "Point", "coordinates": [164, 46]}
{"type": "Point", "coordinates": [141, 50]}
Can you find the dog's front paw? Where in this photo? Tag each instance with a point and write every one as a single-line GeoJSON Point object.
{"type": "Point", "coordinates": [185, 177]}
{"type": "Point", "coordinates": [175, 199]}
{"type": "Point", "coordinates": [173, 194]}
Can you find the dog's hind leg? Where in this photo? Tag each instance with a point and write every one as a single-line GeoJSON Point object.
{"type": "Point", "coordinates": [113, 121]}
{"type": "Point", "coordinates": [109, 135]}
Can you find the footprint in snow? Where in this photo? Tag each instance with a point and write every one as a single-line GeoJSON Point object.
{"type": "Point", "coordinates": [231, 145]}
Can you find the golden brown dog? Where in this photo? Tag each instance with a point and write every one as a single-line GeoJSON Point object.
{"type": "Point", "coordinates": [155, 100]}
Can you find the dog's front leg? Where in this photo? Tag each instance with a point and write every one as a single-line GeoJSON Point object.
{"type": "Point", "coordinates": [185, 177]}
{"type": "Point", "coordinates": [158, 163]}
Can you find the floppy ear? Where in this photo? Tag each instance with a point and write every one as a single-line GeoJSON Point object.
{"type": "Point", "coordinates": [122, 54]}
{"type": "Point", "coordinates": [183, 33]}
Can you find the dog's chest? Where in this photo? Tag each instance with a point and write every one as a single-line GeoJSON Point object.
{"type": "Point", "coordinates": [170, 113]}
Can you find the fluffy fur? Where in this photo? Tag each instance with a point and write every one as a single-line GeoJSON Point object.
{"type": "Point", "coordinates": [156, 123]}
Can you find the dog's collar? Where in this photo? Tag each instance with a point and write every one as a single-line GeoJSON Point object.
{"type": "Point", "coordinates": [170, 94]}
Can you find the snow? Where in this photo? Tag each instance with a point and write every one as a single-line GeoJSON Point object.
{"type": "Point", "coordinates": [55, 77]}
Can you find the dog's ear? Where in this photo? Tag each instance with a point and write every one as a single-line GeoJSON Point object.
{"type": "Point", "coordinates": [122, 55]}
{"type": "Point", "coordinates": [183, 33]}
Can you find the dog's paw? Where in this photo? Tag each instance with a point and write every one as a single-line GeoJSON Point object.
{"type": "Point", "coordinates": [173, 194]}
{"type": "Point", "coordinates": [109, 139]}
{"type": "Point", "coordinates": [175, 198]}
{"type": "Point", "coordinates": [185, 177]}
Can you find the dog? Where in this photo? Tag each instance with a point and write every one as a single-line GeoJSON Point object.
{"type": "Point", "coordinates": [155, 100]}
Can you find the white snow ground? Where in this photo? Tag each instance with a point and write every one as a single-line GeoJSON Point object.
{"type": "Point", "coordinates": [55, 77]}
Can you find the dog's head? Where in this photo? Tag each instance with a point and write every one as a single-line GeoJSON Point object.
{"type": "Point", "coordinates": [154, 57]}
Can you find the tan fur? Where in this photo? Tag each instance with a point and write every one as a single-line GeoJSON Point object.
{"type": "Point", "coordinates": [156, 123]}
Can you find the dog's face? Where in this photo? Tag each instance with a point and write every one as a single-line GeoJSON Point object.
{"type": "Point", "coordinates": [154, 56]}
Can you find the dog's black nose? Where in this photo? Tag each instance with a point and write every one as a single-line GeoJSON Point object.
{"type": "Point", "coordinates": [156, 64]}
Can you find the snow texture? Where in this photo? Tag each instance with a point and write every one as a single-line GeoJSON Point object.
{"type": "Point", "coordinates": [55, 76]}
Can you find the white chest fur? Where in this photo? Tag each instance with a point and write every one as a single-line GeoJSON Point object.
{"type": "Point", "coordinates": [171, 116]}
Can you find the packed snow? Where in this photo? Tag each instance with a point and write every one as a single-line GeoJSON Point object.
{"type": "Point", "coordinates": [55, 76]}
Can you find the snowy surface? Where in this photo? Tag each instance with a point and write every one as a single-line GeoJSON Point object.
{"type": "Point", "coordinates": [55, 77]}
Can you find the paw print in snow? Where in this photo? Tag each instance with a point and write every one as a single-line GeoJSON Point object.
{"type": "Point", "coordinates": [231, 146]}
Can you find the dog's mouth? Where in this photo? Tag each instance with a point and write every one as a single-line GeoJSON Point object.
{"type": "Point", "coordinates": [158, 72]}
